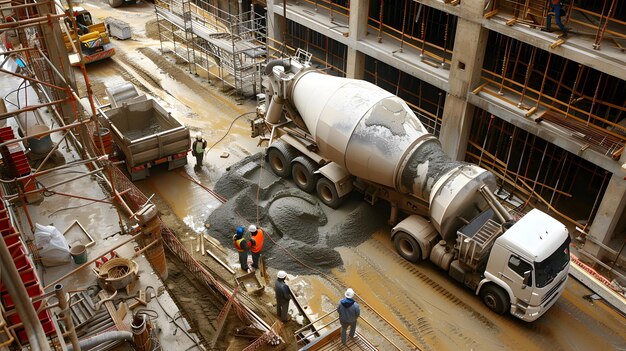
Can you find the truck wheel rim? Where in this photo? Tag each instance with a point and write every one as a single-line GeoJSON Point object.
{"type": "Point", "coordinates": [491, 302]}
{"type": "Point", "coordinates": [277, 164]}
{"type": "Point", "coordinates": [406, 247]}
{"type": "Point", "coordinates": [300, 177]}
{"type": "Point", "coordinates": [326, 194]}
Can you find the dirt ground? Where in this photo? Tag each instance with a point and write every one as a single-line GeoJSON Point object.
{"type": "Point", "coordinates": [414, 306]}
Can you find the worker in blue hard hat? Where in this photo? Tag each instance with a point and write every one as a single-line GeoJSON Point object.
{"type": "Point", "coordinates": [241, 245]}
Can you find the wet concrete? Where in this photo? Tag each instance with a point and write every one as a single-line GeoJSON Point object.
{"type": "Point", "coordinates": [303, 233]}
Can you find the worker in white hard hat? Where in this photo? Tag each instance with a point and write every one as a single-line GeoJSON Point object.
{"type": "Point", "coordinates": [283, 296]}
{"type": "Point", "coordinates": [349, 311]}
{"type": "Point", "coordinates": [197, 149]}
{"type": "Point", "coordinates": [257, 237]}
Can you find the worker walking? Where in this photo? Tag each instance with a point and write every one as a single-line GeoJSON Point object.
{"type": "Point", "coordinates": [283, 296]}
{"type": "Point", "coordinates": [257, 237]}
{"type": "Point", "coordinates": [349, 312]}
{"type": "Point", "coordinates": [197, 149]}
{"type": "Point", "coordinates": [557, 9]}
{"type": "Point", "coordinates": [241, 245]}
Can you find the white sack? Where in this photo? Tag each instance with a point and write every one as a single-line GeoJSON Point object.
{"type": "Point", "coordinates": [52, 246]}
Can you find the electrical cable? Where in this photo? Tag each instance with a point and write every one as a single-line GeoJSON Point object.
{"type": "Point", "coordinates": [229, 128]}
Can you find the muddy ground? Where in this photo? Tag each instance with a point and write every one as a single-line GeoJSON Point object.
{"type": "Point", "coordinates": [416, 306]}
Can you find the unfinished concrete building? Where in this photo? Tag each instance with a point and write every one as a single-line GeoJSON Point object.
{"type": "Point", "coordinates": [542, 111]}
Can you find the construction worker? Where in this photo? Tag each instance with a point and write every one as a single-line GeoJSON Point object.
{"type": "Point", "coordinates": [242, 248]}
{"type": "Point", "coordinates": [349, 312]}
{"type": "Point", "coordinates": [557, 10]}
{"type": "Point", "coordinates": [283, 295]}
{"type": "Point", "coordinates": [197, 149]}
{"type": "Point", "coordinates": [257, 237]}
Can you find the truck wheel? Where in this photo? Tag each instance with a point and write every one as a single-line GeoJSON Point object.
{"type": "Point", "coordinates": [407, 247]}
{"type": "Point", "coordinates": [495, 298]}
{"type": "Point", "coordinates": [279, 157]}
{"type": "Point", "coordinates": [116, 3]}
{"type": "Point", "coordinates": [302, 172]}
{"type": "Point", "coordinates": [327, 193]}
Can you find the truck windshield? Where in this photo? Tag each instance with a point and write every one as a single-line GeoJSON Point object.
{"type": "Point", "coordinates": [548, 269]}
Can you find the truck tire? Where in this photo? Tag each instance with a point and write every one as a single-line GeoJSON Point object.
{"type": "Point", "coordinates": [495, 298]}
{"type": "Point", "coordinates": [279, 156]}
{"type": "Point", "coordinates": [407, 247]}
{"type": "Point", "coordinates": [327, 193]}
{"type": "Point", "coordinates": [303, 173]}
{"type": "Point", "coordinates": [116, 3]}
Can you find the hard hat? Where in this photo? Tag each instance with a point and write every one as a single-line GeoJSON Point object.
{"type": "Point", "coordinates": [281, 275]}
{"type": "Point", "coordinates": [199, 137]}
{"type": "Point", "coordinates": [349, 293]}
{"type": "Point", "coordinates": [252, 228]}
{"type": "Point", "coordinates": [240, 232]}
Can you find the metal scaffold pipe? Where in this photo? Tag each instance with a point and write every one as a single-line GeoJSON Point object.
{"type": "Point", "coordinates": [26, 311]}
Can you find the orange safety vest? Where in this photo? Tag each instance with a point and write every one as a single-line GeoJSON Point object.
{"type": "Point", "coordinates": [258, 240]}
{"type": "Point", "coordinates": [238, 244]}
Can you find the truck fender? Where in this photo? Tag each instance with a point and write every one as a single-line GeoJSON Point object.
{"type": "Point", "coordinates": [338, 176]}
{"type": "Point", "coordinates": [421, 230]}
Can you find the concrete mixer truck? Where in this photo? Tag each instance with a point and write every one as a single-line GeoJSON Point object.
{"type": "Point", "coordinates": [334, 135]}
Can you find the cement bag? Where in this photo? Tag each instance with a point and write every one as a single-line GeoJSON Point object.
{"type": "Point", "coordinates": [52, 246]}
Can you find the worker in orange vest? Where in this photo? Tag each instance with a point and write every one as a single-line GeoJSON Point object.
{"type": "Point", "coordinates": [242, 248]}
{"type": "Point", "coordinates": [257, 237]}
{"type": "Point", "coordinates": [557, 9]}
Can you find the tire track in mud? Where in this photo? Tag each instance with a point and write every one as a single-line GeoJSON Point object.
{"type": "Point", "coordinates": [551, 332]}
{"type": "Point", "coordinates": [501, 326]}
{"type": "Point", "coordinates": [420, 328]}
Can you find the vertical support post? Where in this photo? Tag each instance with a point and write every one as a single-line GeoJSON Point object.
{"type": "Point", "coordinates": [59, 292]}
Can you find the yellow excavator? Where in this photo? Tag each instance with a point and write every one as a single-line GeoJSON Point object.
{"type": "Point", "coordinates": [95, 44]}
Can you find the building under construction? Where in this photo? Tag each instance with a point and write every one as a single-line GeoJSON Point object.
{"type": "Point", "coordinates": [545, 111]}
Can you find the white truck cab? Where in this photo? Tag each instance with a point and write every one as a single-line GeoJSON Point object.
{"type": "Point", "coordinates": [530, 261]}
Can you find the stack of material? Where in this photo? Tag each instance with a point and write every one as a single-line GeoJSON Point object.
{"type": "Point", "coordinates": [118, 29]}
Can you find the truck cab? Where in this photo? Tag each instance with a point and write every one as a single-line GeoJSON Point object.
{"type": "Point", "coordinates": [529, 266]}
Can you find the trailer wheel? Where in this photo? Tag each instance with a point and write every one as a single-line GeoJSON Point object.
{"type": "Point", "coordinates": [279, 156]}
{"type": "Point", "coordinates": [495, 298]}
{"type": "Point", "coordinates": [303, 173]}
{"type": "Point", "coordinates": [407, 247]}
{"type": "Point", "coordinates": [327, 193]}
{"type": "Point", "coordinates": [116, 3]}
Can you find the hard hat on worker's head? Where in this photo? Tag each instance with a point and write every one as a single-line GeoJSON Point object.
{"type": "Point", "coordinates": [349, 293]}
{"type": "Point", "coordinates": [199, 137]}
{"type": "Point", "coordinates": [252, 228]}
{"type": "Point", "coordinates": [281, 275]}
{"type": "Point", "coordinates": [240, 230]}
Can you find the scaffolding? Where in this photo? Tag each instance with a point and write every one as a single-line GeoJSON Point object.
{"type": "Point", "coordinates": [215, 43]}
{"type": "Point", "coordinates": [600, 21]}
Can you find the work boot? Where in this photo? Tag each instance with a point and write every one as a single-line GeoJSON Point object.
{"type": "Point", "coordinates": [546, 30]}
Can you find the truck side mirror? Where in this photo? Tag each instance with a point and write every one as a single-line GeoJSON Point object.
{"type": "Point", "coordinates": [526, 279]}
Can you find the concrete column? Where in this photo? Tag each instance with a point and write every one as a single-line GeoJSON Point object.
{"type": "Point", "coordinates": [355, 62]}
{"type": "Point", "coordinates": [276, 24]}
{"type": "Point", "coordinates": [610, 219]}
{"type": "Point", "coordinates": [58, 56]}
{"type": "Point", "coordinates": [467, 61]}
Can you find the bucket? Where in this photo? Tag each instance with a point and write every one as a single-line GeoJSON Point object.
{"type": "Point", "coordinates": [107, 141]}
{"type": "Point", "coordinates": [79, 253]}
{"type": "Point", "coordinates": [42, 144]}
